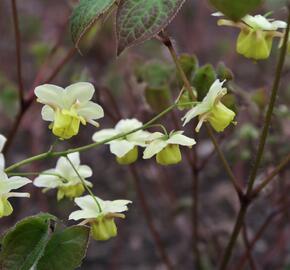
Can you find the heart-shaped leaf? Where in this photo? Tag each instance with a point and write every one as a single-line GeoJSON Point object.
{"type": "Point", "coordinates": [139, 20]}
{"type": "Point", "coordinates": [85, 14]}
{"type": "Point", "coordinates": [236, 9]}
{"type": "Point", "coordinates": [65, 249]}
{"type": "Point", "coordinates": [24, 244]}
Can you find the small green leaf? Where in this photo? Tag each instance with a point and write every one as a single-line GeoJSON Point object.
{"type": "Point", "coordinates": [65, 249]}
{"type": "Point", "coordinates": [189, 64]}
{"type": "Point", "coordinates": [203, 79]}
{"type": "Point", "coordinates": [236, 9]}
{"type": "Point", "coordinates": [85, 14]}
{"type": "Point", "coordinates": [223, 72]}
{"type": "Point", "coordinates": [158, 98]}
{"type": "Point", "coordinates": [139, 20]}
{"type": "Point", "coordinates": [24, 244]}
{"type": "Point", "coordinates": [154, 73]}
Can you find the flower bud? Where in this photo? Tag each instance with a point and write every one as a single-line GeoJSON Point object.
{"type": "Point", "coordinates": [104, 228]}
{"type": "Point", "coordinates": [255, 44]}
{"type": "Point", "coordinates": [220, 117]}
{"type": "Point", "coordinates": [66, 124]}
{"type": "Point", "coordinates": [70, 191]}
{"type": "Point", "coordinates": [169, 155]}
{"type": "Point", "coordinates": [5, 207]}
{"type": "Point", "coordinates": [129, 158]}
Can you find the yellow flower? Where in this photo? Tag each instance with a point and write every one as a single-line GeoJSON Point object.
{"type": "Point", "coordinates": [101, 216]}
{"type": "Point", "coordinates": [6, 185]}
{"type": "Point", "coordinates": [68, 108]}
{"type": "Point", "coordinates": [166, 147]}
{"type": "Point", "coordinates": [126, 148]}
{"type": "Point", "coordinates": [64, 178]}
{"type": "Point", "coordinates": [211, 109]}
{"type": "Point", "coordinates": [256, 37]}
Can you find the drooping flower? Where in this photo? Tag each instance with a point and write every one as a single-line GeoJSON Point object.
{"type": "Point", "coordinates": [166, 147]}
{"type": "Point", "coordinates": [67, 108]}
{"type": "Point", "coordinates": [64, 178]}
{"type": "Point", "coordinates": [2, 161]}
{"type": "Point", "coordinates": [211, 109]}
{"type": "Point", "coordinates": [100, 214]}
{"type": "Point", "coordinates": [6, 185]}
{"type": "Point", "coordinates": [257, 33]}
{"type": "Point", "coordinates": [125, 148]}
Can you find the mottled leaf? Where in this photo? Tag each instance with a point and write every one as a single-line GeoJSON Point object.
{"type": "Point", "coordinates": [139, 20]}
{"type": "Point", "coordinates": [85, 14]}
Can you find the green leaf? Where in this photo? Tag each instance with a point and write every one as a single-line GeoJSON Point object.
{"type": "Point", "coordinates": [85, 14]}
{"type": "Point", "coordinates": [154, 73]}
{"type": "Point", "coordinates": [189, 64]}
{"type": "Point", "coordinates": [158, 98]}
{"type": "Point", "coordinates": [203, 79]}
{"type": "Point", "coordinates": [223, 72]}
{"type": "Point", "coordinates": [24, 244]}
{"type": "Point", "coordinates": [139, 20]}
{"type": "Point", "coordinates": [65, 249]}
{"type": "Point", "coordinates": [236, 9]}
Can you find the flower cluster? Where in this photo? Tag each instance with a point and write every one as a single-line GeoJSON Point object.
{"type": "Point", "coordinates": [126, 147]}
{"type": "Point", "coordinates": [257, 33]}
{"type": "Point", "coordinates": [66, 109]}
{"type": "Point", "coordinates": [165, 147]}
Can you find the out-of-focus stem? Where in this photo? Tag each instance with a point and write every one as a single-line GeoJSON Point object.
{"type": "Point", "coordinates": [224, 161]}
{"type": "Point", "coordinates": [268, 118]}
{"type": "Point", "coordinates": [252, 263]}
{"type": "Point", "coordinates": [246, 202]}
{"type": "Point", "coordinates": [149, 219]}
{"type": "Point", "coordinates": [271, 176]}
{"type": "Point", "coordinates": [241, 263]}
{"type": "Point", "coordinates": [29, 100]}
{"type": "Point", "coordinates": [18, 53]}
{"type": "Point", "coordinates": [167, 42]}
{"type": "Point", "coordinates": [192, 162]}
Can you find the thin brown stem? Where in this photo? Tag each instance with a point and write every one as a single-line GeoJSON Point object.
{"type": "Point", "coordinates": [246, 201]}
{"type": "Point", "coordinates": [195, 215]}
{"type": "Point", "coordinates": [258, 235]}
{"type": "Point", "coordinates": [167, 42]}
{"type": "Point", "coordinates": [30, 100]}
{"type": "Point", "coordinates": [234, 237]}
{"type": "Point", "coordinates": [149, 219]}
{"type": "Point", "coordinates": [224, 161]}
{"type": "Point", "coordinates": [252, 263]}
{"type": "Point", "coordinates": [18, 52]}
{"type": "Point", "coordinates": [61, 64]}
{"type": "Point", "coordinates": [13, 131]}
{"type": "Point", "coordinates": [271, 176]}
{"type": "Point", "coordinates": [267, 122]}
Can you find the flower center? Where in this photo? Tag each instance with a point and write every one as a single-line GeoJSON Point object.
{"type": "Point", "coordinates": [66, 123]}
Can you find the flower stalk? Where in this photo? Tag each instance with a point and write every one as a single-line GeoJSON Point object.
{"type": "Point", "coordinates": [246, 202]}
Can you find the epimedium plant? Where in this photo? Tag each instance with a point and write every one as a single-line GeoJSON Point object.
{"type": "Point", "coordinates": [43, 241]}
